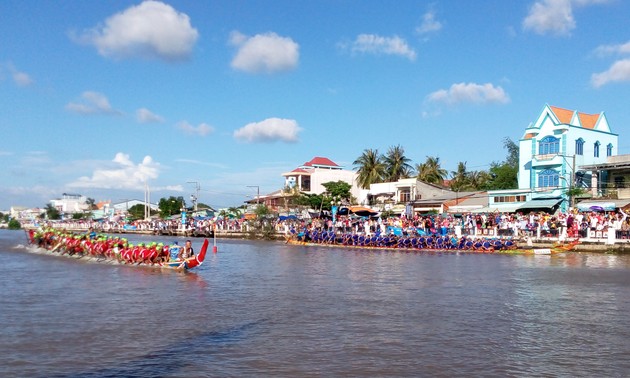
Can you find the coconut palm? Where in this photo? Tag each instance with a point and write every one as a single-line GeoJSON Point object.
{"type": "Point", "coordinates": [430, 171]}
{"type": "Point", "coordinates": [478, 179]}
{"type": "Point", "coordinates": [459, 178]}
{"type": "Point", "coordinates": [370, 168]}
{"type": "Point", "coordinates": [396, 164]}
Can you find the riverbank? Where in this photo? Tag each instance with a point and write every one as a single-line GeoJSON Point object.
{"type": "Point", "coordinates": [595, 245]}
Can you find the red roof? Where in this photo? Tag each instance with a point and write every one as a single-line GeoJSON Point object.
{"type": "Point", "coordinates": [317, 160]}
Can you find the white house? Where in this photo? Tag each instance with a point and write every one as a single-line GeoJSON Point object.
{"type": "Point", "coordinates": [70, 203]}
{"type": "Point", "coordinates": [310, 176]}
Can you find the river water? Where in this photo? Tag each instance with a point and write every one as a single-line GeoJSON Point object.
{"type": "Point", "coordinates": [268, 309]}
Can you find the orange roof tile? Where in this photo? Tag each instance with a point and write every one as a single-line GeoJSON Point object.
{"type": "Point", "coordinates": [588, 120]}
{"type": "Point", "coordinates": [564, 115]}
{"type": "Point", "coordinates": [529, 136]}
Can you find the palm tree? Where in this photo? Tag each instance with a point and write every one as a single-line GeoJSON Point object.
{"type": "Point", "coordinates": [430, 171]}
{"type": "Point", "coordinates": [478, 179]}
{"type": "Point", "coordinates": [370, 168]}
{"type": "Point", "coordinates": [459, 178]}
{"type": "Point", "coordinates": [396, 164]}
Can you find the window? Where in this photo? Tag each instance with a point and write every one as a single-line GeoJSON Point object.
{"type": "Point", "coordinates": [548, 178]}
{"type": "Point", "coordinates": [405, 195]}
{"type": "Point", "coordinates": [609, 150]}
{"type": "Point", "coordinates": [579, 147]}
{"type": "Point", "coordinates": [549, 145]}
{"type": "Point", "coordinates": [596, 149]}
{"type": "Point", "coordinates": [500, 199]}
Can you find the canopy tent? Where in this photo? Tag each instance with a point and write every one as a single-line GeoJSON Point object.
{"type": "Point", "coordinates": [596, 206]}
{"type": "Point", "coordinates": [363, 211]}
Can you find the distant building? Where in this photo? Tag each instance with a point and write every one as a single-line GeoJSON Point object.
{"type": "Point", "coordinates": [309, 177]}
{"type": "Point", "coordinates": [551, 152]}
{"type": "Point", "coordinates": [70, 203]}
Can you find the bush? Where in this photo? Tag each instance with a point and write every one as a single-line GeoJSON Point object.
{"type": "Point", "coordinates": [14, 224]}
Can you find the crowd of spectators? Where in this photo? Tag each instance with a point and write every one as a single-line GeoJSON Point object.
{"type": "Point", "coordinates": [534, 224]}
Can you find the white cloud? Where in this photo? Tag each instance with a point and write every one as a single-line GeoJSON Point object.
{"type": "Point", "coordinates": [151, 29]}
{"type": "Point", "coordinates": [144, 115]}
{"type": "Point", "coordinates": [378, 45]}
{"type": "Point", "coordinates": [550, 16]}
{"type": "Point", "coordinates": [470, 93]}
{"type": "Point", "coordinates": [202, 130]}
{"type": "Point", "coordinates": [120, 173]}
{"type": "Point", "coordinates": [21, 79]}
{"type": "Point", "coordinates": [269, 130]}
{"type": "Point", "coordinates": [621, 49]}
{"type": "Point", "coordinates": [267, 52]}
{"type": "Point", "coordinates": [92, 103]}
{"type": "Point", "coordinates": [429, 23]}
{"type": "Point", "coordinates": [619, 71]}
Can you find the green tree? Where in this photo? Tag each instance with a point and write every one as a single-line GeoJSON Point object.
{"type": "Point", "coordinates": [339, 189]}
{"type": "Point", "coordinates": [312, 201]}
{"type": "Point", "coordinates": [370, 168]}
{"type": "Point", "coordinates": [431, 171]}
{"type": "Point", "coordinates": [459, 178]}
{"type": "Point", "coordinates": [234, 212]}
{"type": "Point", "coordinates": [504, 175]}
{"type": "Point", "coordinates": [14, 224]}
{"type": "Point", "coordinates": [396, 164]}
{"type": "Point", "coordinates": [51, 212]}
{"type": "Point", "coordinates": [478, 179]}
{"type": "Point", "coordinates": [137, 212]}
{"type": "Point", "coordinates": [169, 206]}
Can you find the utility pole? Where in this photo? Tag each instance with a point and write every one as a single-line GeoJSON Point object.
{"type": "Point", "coordinates": [195, 197]}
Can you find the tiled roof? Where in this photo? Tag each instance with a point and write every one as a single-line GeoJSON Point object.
{"type": "Point", "coordinates": [528, 136]}
{"type": "Point", "coordinates": [564, 115]}
{"type": "Point", "coordinates": [317, 160]}
{"type": "Point", "coordinates": [588, 121]}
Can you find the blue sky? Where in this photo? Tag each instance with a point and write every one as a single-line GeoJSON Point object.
{"type": "Point", "coordinates": [99, 97]}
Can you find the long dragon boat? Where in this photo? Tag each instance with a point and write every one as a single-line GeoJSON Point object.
{"type": "Point", "coordinates": [435, 244]}
{"type": "Point", "coordinates": [113, 250]}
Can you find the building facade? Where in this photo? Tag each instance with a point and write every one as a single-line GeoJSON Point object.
{"type": "Point", "coordinates": [551, 152]}
{"type": "Point", "coordinates": [310, 177]}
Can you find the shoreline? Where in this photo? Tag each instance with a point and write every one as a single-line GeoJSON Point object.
{"type": "Point", "coordinates": [621, 246]}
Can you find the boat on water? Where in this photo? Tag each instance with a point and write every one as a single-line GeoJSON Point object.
{"type": "Point", "coordinates": [478, 246]}
{"type": "Point", "coordinates": [113, 250]}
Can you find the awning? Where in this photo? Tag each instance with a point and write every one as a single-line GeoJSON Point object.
{"type": "Point", "coordinates": [540, 203]}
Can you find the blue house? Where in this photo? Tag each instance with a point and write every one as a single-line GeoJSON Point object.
{"type": "Point", "coordinates": [551, 152]}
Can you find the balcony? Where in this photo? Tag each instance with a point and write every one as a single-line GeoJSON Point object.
{"type": "Point", "coordinates": [546, 160]}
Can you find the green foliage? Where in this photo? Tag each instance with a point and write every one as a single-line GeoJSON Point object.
{"type": "Point", "coordinates": [168, 206]}
{"type": "Point", "coordinates": [370, 168]}
{"type": "Point", "coordinates": [137, 212]}
{"type": "Point", "coordinates": [4, 217]}
{"type": "Point", "coordinates": [14, 224]}
{"type": "Point", "coordinates": [51, 212]}
{"type": "Point", "coordinates": [339, 189]}
{"type": "Point", "coordinates": [77, 216]}
{"type": "Point", "coordinates": [431, 171]}
{"type": "Point", "coordinates": [504, 175]}
{"type": "Point", "coordinates": [312, 201]}
{"type": "Point", "coordinates": [396, 164]}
